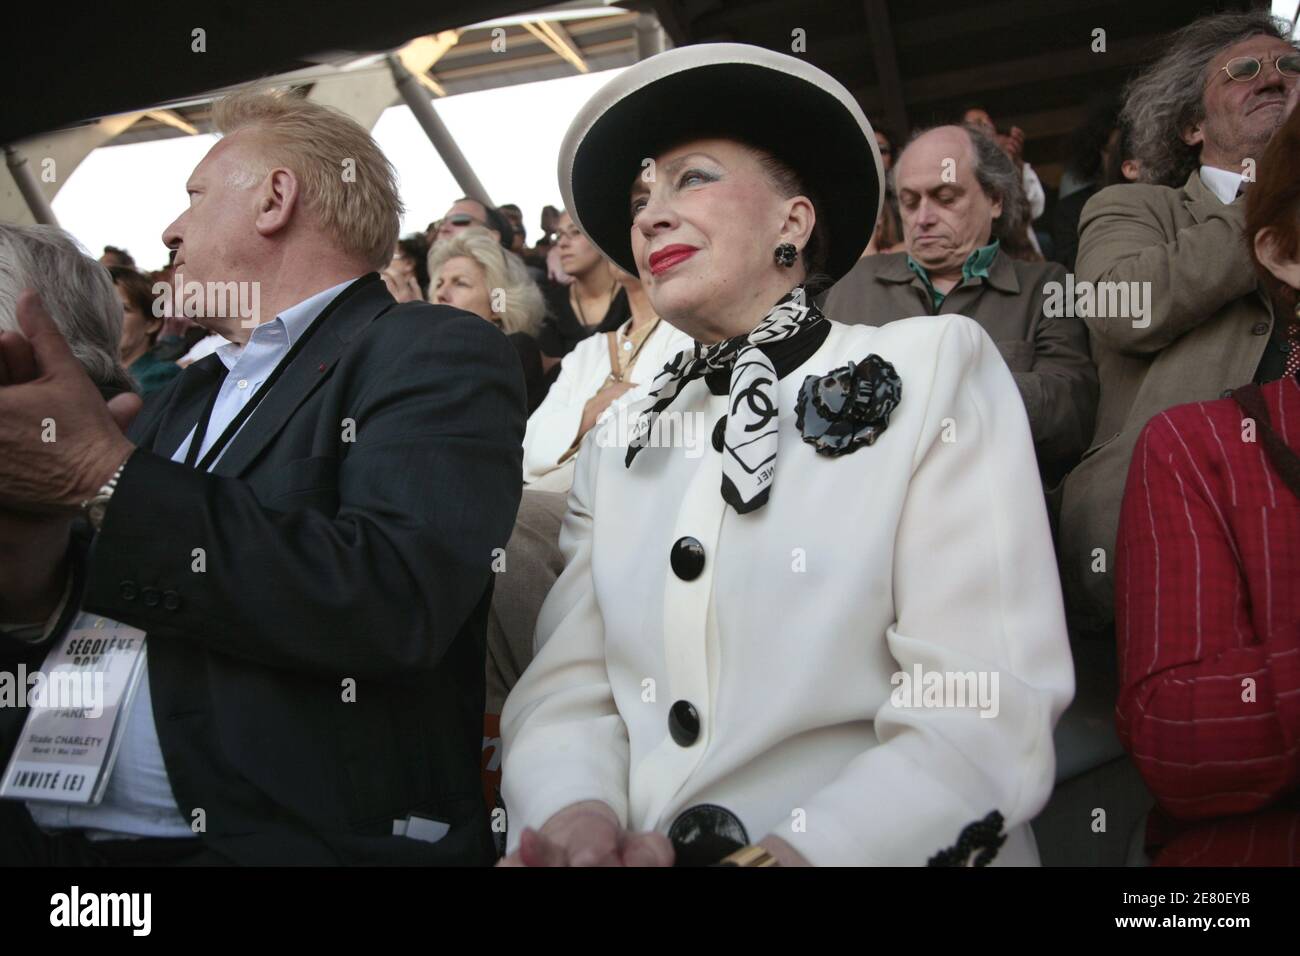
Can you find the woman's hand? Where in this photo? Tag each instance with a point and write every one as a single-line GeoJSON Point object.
{"type": "Point", "coordinates": [589, 834]}
{"type": "Point", "coordinates": [597, 404]}
{"type": "Point", "coordinates": [403, 288]}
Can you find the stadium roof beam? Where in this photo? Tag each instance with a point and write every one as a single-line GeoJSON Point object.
{"type": "Point", "coordinates": [437, 132]}
{"type": "Point", "coordinates": [30, 189]}
{"type": "Point", "coordinates": [559, 42]}
{"type": "Point", "coordinates": [423, 53]}
{"type": "Point", "coordinates": [173, 119]}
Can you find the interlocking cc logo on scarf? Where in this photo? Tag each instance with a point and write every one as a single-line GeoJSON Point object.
{"type": "Point", "coordinates": [749, 443]}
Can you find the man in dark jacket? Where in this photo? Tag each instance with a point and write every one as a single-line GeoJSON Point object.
{"type": "Point", "coordinates": [303, 524]}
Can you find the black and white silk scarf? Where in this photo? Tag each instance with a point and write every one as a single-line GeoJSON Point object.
{"type": "Point", "coordinates": [749, 442]}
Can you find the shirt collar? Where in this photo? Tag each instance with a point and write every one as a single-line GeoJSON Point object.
{"type": "Point", "coordinates": [1224, 183]}
{"type": "Point", "coordinates": [294, 321]}
{"type": "Point", "coordinates": [976, 266]}
{"type": "Point", "coordinates": [298, 317]}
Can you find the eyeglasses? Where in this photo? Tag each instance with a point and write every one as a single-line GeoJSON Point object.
{"type": "Point", "coordinates": [1245, 68]}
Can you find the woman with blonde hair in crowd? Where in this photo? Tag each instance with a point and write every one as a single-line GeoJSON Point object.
{"type": "Point", "coordinates": [471, 271]}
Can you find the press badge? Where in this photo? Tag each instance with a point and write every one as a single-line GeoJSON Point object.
{"type": "Point", "coordinates": [78, 703]}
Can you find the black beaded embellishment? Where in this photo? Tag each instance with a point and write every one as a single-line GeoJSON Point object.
{"type": "Point", "coordinates": [983, 837]}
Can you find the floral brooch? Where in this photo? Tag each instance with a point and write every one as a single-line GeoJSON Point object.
{"type": "Point", "coordinates": [848, 407]}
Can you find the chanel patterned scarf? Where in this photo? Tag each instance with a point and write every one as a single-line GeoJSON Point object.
{"type": "Point", "coordinates": [749, 441]}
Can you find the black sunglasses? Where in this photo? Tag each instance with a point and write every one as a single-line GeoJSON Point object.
{"type": "Point", "coordinates": [461, 219]}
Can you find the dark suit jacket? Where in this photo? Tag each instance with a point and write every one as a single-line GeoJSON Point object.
{"type": "Point", "coordinates": [1065, 226]}
{"type": "Point", "coordinates": [329, 563]}
{"type": "Point", "coordinates": [1048, 357]}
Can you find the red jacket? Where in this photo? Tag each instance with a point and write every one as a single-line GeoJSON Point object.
{"type": "Point", "coordinates": [1208, 628]}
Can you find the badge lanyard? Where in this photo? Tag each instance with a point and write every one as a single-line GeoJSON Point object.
{"type": "Point", "coordinates": [201, 428]}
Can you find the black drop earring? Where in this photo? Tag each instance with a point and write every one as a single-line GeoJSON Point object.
{"type": "Point", "coordinates": [786, 254]}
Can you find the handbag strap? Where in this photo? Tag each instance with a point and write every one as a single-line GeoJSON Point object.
{"type": "Point", "coordinates": [611, 339]}
{"type": "Point", "coordinates": [1284, 460]}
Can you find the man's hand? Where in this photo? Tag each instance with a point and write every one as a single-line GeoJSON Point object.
{"type": "Point", "coordinates": [589, 834]}
{"type": "Point", "coordinates": [59, 442]}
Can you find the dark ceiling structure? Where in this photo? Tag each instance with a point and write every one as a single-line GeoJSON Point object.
{"type": "Point", "coordinates": [103, 59]}
{"type": "Point", "coordinates": [1030, 63]}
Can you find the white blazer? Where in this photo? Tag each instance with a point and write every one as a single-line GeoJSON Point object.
{"type": "Point", "coordinates": [928, 549]}
{"type": "Point", "coordinates": [554, 425]}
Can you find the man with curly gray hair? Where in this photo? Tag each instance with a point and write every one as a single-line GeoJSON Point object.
{"type": "Point", "coordinates": [1200, 117]}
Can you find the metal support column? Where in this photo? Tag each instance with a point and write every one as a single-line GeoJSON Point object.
{"type": "Point", "coordinates": [649, 36]}
{"type": "Point", "coordinates": [418, 100]}
{"type": "Point", "coordinates": [25, 179]}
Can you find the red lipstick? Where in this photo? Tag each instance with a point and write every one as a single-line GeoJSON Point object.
{"type": "Point", "coordinates": [669, 256]}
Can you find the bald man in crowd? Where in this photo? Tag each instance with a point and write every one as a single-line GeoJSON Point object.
{"type": "Point", "coordinates": [960, 196]}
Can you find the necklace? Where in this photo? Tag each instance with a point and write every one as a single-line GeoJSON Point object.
{"type": "Point", "coordinates": [575, 301]}
{"type": "Point", "coordinates": [622, 360]}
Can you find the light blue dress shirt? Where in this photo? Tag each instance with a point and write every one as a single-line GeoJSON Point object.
{"type": "Point", "coordinates": [139, 801]}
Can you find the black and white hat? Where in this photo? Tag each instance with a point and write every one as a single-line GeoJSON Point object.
{"type": "Point", "coordinates": [776, 102]}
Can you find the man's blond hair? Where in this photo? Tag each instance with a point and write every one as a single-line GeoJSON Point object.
{"type": "Point", "coordinates": [344, 179]}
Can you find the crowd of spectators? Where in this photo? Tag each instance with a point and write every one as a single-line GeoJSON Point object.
{"type": "Point", "coordinates": [1166, 434]}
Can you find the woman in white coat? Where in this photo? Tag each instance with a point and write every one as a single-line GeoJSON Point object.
{"type": "Point", "coordinates": [601, 369]}
{"type": "Point", "coordinates": [836, 636]}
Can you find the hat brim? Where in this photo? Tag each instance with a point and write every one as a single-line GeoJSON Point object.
{"type": "Point", "coordinates": [780, 104]}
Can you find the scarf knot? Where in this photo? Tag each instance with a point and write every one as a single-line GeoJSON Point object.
{"type": "Point", "coordinates": [750, 437]}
